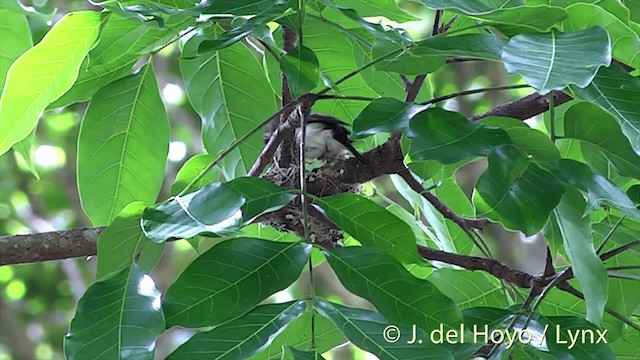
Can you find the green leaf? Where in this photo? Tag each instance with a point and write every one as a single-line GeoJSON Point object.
{"type": "Point", "coordinates": [192, 168]}
{"type": "Point", "coordinates": [371, 224]}
{"type": "Point", "coordinates": [386, 8]}
{"type": "Point", "coordinates": [43, 73]}
{"type": "Point", "coordinates": [478, 7]}
{"type": "Point", "coordinates": [118, 317]}
{"type": "Point", "coordinates": [376, 276]}
{"type": "Point", "coordinates": [599, 189]}
{"type": "Point", "coordinates": [596, 349]}
{"type": "Point", "coordinates": [291, 353]}
{"type": "Point", "coordinates": [516, 192]}
{"type": "Point", "coordinates": [408, 61]}
{"type": "Point", "coordinates": [239, 32]}
{"type": "Point", "coordinates": [552, 62]}
{"type": "Point", "coordinates": [369, 331]}
{"type": "Point", "coordinates": [122, 146]}
{"type": "Point", "coordinates": [230, 92]}
{"type": "Point", "coordinates": [232, 278]}
{"type": "Point", "coordinates": [242, 337]}
{"type": "Point", "coordinates": [470, 289]}
{"type": "Point", "coordinates": [595, 126]}
{"type": "Point", "coordinates": [119, 243]}
{"type": "Point", "coordinates": [533, 142]}
{"type": "Point", "coordinates": [16, 35]}
{"type": "Point", "coordinates": [449, 137]}
{"type": "Point", "coordinates": [220, 208]}
{"type": "Point", "coordinates": [587, 266]}
{"type": "Point", "coordinates": [122, 42]}
{"type": "Point", "coordinates": [301, 67]}
{"type": "Point", "coordinates": [384, 115]}
{"type": "Point", "coordinates": [239, 7]}
{"type": "Point", "coordinates": [624, 41]}
{"type": "Point", "coordinates": [616, 91]}
{"type": "Point", "coordinates": [481, 46]}
{"type": "Point", "coordinates": [298, 334]}
{"type": "Point", "coordinates": [16, 7]}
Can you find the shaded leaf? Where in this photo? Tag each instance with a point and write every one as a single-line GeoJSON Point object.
{"type": "Point", "coordinates": [407, 60]}
{"type": "Point", "coordinates": [510, 191]}
{"type": "Point", "coordinates": [384, 115]}
{"type": "Point", "coordinates": [481, 46]}
{"type": "Point", "coordinates": [587, 266]}
{"type": "Point", "coordinates": [472, 7]}
{"type": "Point", "coordinates": [239, 7]}
{"type": "Point", "coordinates": [616, 91]}
{"type": "Point", "coordinates": [215, 203]}
{"type": "Point", "coordinates": [122, 146]}
{"type": "Point", "coordinates": [291, 353]}
{"type": "Point", "coordinates": [552, 61]}
{"type": "Point", "coordinates": [382, 280]}
{"type": "Point", "coordinates": [533, 142]}
{"type": "Point", "coordinates": [43, 73]}
{"type": "Point", "coordinates": [386, 8]}
{"type": "Point", "coordinates": [301, 67]}
{"type": "Point", "coordinates": [118, 317]}
{"type": "Point", "coordinates": [371, 224]}
{"type": "Point", "coordinates": [232, 278]}
{"type": "Point", "coordinates": [16, 39]}
{"type": "Point", "coordinates": [242, 337]}
{"type": "Point", "coordinates": [449, 137]}
{"type": "Point", "coordinates": [367, 330]}
{"type": "Point", "coordinates": [192, 168]}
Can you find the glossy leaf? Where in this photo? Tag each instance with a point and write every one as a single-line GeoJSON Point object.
{"type": "Point", "coordinates": [16, 38]}
{"type": "Point", "coordinates": [481, 46]}
{"type": "Point", "coordinates": [371, 224]}
{"type": "Point", "coordinates": [386, 8]}
{"type": "Point", "coordinates": [552, 62]}
{"type": "Point", "coordinates": [595, 126]}
{"type": "Point", "coordinates": [192, 168]}
{"type": "Point", "coordinates": [230, 92]}
{"type": "Point", "coordinates": [616, 91]}
{"type": "Point", "coordinates": [407, 61]}
{"type": "Point", "coordinates": [291, 353]}
{"type": "Point", "coordinates": [215, 203]}
{"type": "Point", "coordinates": [122, 42]}
{"type": "Point", "coordinates": [43, 73]}
{"type": "Point", "coordinates": [298, 334]}
{"type": "Point", "coordinates": [599, 190]}
{"type": "Point", "coordinates": [384, 115]}
{"type": "Point", "coordinates": [624, 41]}
{"type": "Point", "coordinates": [533, 142]}
{"type": "Point", "coordinates": [510, 191]}
{"type": "Point", "coordinates": [239, 7]}
{"type": "Point", "coordinates": [587, 266]}
{"type": "Point", "coordinates": [232, 278]}
{"type": "Point", "coordinates": [118, 317]}
{"type": "Point", "coordinates": [469, 289]}
{"type": "Point", "coordinates": [242, 337]}
{"type": "Point", "coordinates": [301, 67]}
{"type": "Point", "coordinates": [472, 7]}
{"type": "Point", "coordinates": [122, 147]}
{"type": "Point", "coordinates": [366, 329]}
{"type": "Point", "coordinates": [119, 243]}
{"type": "Point", "coordinates": [376, 276]}
{"type": "Point", "coordinates": [449, 137]}
{"type": "Point", "coordinates": [262, 196]}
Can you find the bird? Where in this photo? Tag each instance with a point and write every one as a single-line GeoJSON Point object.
{"type": "Point", "coordinates": [327, 137]}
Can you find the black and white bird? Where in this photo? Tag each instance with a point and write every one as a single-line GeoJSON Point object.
{"type": "Point", "coordinates": [327, 137]}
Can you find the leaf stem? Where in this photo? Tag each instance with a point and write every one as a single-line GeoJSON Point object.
{"type": "Point", "coordinates": [474, 91]}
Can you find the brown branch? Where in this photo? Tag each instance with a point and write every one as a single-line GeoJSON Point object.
{"type": "Point", "coordinates": [526, 107]}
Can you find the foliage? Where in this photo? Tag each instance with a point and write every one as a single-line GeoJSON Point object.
{"type": "Point", "coordinates": [573, 177]}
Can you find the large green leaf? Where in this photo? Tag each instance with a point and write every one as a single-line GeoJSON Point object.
{"type": "Point", "coordinates": [16, 7]}
{"type": "Point", "coordinates": [298, 334]}
{"type": "Point", "coordinates": [472, 7]}
{"type": "Point", "coordinates": [122, 42]}
{"type": "Point", "coordinates": [449, 137]}
{"type": "Point", "coordinates": [599, 189]}
{"type": "Point", "coordinates": [552, 61]}
{"type": "Point", "coordinates": [239, 7]}
{"type": "Point", "coordinates": [122, 146]}
{"type": "Point", "coordinates": [301, 67]}
{"type": "Point", "coordinates": [242, 337]}
{"type": "Point", "coordinates": [587, 266]}
{"type": "Point", "coordinates": [191, 169]}
{"type": "Point", "coordinates": [516, 192]}
{"type": "Point", "coordinates": [16, 39]}
{"type": "Point", "coordinates": [118, 317]}
{"type": "Point", "coordinates": [230, 279]}
{"type": "Point", "coordinates": [481, 46]}
{"type": "Point", "coordinates": [407, 60]}
{"type": "Point", "coordinates": [616, 91]}
{"type": "Point", "coordinates": [470, 289]}
{"type": "Point", "coordinates": [218, 208]}
{"type": "Point", "coordinates": [382, 280]}
{"type": "Point", "coordinates": [371, 224]}
{"type": "Point", "coordinates": [230, 92]}
{"type": "Point", "coordinates": [372, 332]}
{"type": "Point", "coordinates": [624, 41]}
{"type": "Point", "coordinates": [384, 115]}
{"type": "Point", "coordinates": [595, 126]}
{"type": "Point", "coordinates": [291, 353]}
{"type": "Point", "coordinates": [386, 8]}
{"type": "Point", "coordinates": [43, 73]}
{"type": "Point", "coordinates": [533, 142]}
{"type": "Point", "coordinates": [120, 243]}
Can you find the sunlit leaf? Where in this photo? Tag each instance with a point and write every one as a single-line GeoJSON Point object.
{"type": "Point", "coordinates": [301, 67]}
{"type": "Point", "coordinates": [384, 115]}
